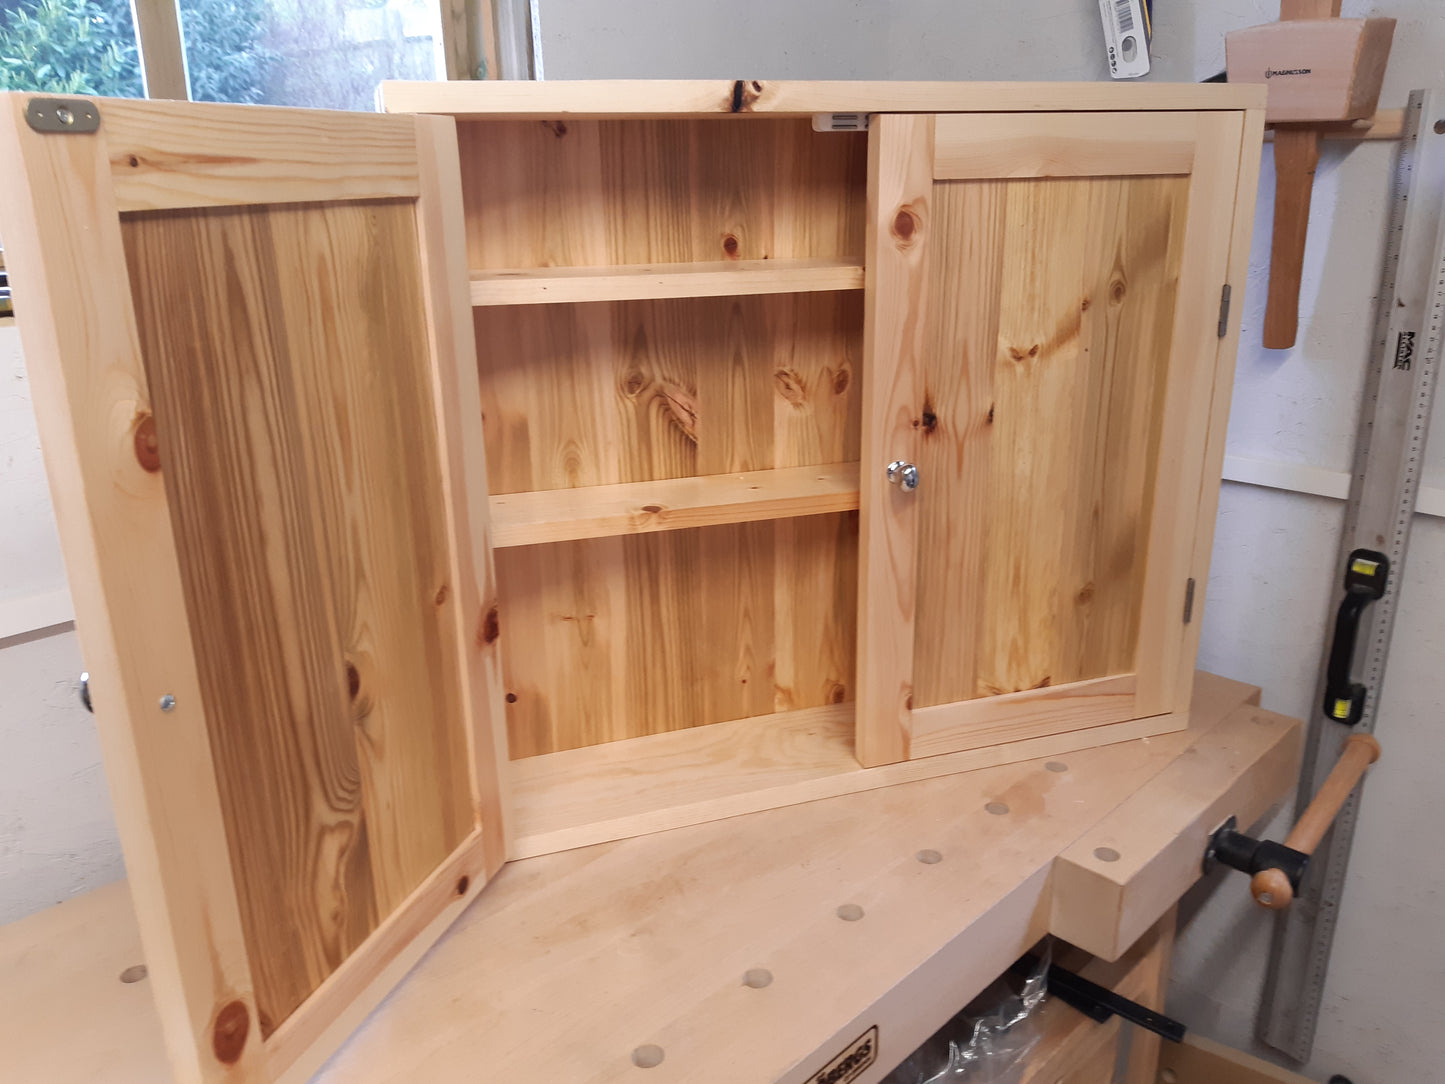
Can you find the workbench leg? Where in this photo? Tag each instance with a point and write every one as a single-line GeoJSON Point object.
{"type": "Point", "coordinates": [1142, 1066]}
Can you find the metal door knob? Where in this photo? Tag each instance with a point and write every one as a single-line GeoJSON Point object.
{"type": "Point", "coordinates": [903, 474]}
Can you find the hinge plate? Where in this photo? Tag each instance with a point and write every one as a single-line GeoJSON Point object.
{"type": "Point", "coordinates": [1189, 600]}
{"type": "Point", "coordinates": [1224, 310]}
{"type": "Point", "coordinates": [64, 115]}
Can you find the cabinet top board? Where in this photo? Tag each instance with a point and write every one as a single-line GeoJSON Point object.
{"type": "Point", "coordinates": [702, 97]}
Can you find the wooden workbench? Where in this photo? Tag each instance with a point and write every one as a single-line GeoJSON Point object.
{"type": "Point", "coordinates": [570, 962]}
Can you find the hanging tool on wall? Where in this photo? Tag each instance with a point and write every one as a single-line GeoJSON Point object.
{"type": "Point", "coordinates": [1320, 69]}
{"type": "Point", "coordinates": [1389, 456]}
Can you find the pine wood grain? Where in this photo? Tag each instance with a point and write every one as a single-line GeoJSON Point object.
{"type": "Point", "coordinates": [297, 439]}
{"type": "Point", "coordinates": [612, 638]}
{"type": "Point", "coordinates": [65, 253]}
{"type": "Point", "coordinates": [1054, 303]}
{"type": "Point", "coordinates": [588, 395]}
{"type": "Point", "coordinates": [586, 193]}
{"type": "Point", "coordinates": [202, 154]}
{"type": "Point", "coordinates": [640, 282]}
{"type": "Point", "coordinates": [576, 98]}
{"type": "Point", "coordinates": [559, 515]}
{"type": "Point", "coordinates": [900, 228]}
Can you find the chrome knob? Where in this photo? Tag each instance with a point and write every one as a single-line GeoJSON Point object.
{"type": "Point", "coordinates": [903, 474]}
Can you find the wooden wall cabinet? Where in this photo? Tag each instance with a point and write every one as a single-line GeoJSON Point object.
{"type": "Point", "coordinates": [512, 473]}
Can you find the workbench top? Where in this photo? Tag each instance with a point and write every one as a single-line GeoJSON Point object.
{"type": "Point", "coordinates": [750, 949]}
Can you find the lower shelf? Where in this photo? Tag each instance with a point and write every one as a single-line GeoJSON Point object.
{"type": "Point", "coordinates": [640, 785]}
{"type": "Point", "coordinates": [561, 515]}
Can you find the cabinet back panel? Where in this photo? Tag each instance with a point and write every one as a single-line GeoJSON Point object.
{"type": "Point", "coordinates": [1053, 305]}
{"type": "Point", "coordinates": [583, 193]}
{"type": "Point", "coordinates": [592, 394]}
{"type": "Point", "coordinates": [286, 351]}
{"type": "Point", "coordinates": [619, 637]}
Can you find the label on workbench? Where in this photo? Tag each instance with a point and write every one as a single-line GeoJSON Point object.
{"type": "Point", "coordinates": [850, 1063]}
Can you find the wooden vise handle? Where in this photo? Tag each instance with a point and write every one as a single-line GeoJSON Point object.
{"type": "Point", "coordinates": [1271, 888]}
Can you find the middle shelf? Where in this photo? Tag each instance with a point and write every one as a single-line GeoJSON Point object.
{"type": "Point", "coordinates": [560, 515]}
{"type": "Point", "coordinates": [640, 282]}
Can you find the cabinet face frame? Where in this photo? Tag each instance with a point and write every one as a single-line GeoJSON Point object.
{"type": "Point", "coordinates": [909, 157]}
{"type": "Point", "coordinates": [105, 454]}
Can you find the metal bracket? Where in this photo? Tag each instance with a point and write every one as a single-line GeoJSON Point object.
{"type": "Point", "coordinates": [63, 115]}
{"type": "Point", "coordinates": [1224, 293]}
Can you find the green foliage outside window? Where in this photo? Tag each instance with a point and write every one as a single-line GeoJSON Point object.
{"type": "Point", "coordinates": [70, 47]}
{"type": "Point", "coordinates": [89, 47]}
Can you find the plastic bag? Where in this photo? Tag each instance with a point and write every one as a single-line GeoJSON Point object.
{"type": "Point", "coordinates": [991, 1046]}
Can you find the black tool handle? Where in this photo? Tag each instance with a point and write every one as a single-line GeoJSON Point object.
{"type": "Point", "coordinates": [1366, 573]}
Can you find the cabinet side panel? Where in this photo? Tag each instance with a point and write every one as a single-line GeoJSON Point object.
{"type": "Point", "coordinates": [614, 638]}
{"type": "Point", "coordinates": [606, 392]}
{"type": "Point", "coordinates": [586, 193]}
{"type": "Point", "coordinates": [1041, 428]}
{"type": "Point", "coordinates": [296, 434]}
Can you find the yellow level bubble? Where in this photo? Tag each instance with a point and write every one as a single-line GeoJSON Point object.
{"type": "Point", "coordinates": [1342, 709]}
{"type": "Point", "coordinates": [1363, 567]}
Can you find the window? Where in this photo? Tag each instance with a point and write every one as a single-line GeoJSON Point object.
{"type": "Point", "coordinates": [69, 47]}
{"type": "Point", "coordinates": [317, 53]}
{"type": "Point", "coordinates": [322, 53]}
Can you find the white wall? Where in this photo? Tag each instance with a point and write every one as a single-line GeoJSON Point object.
{"type": "Point", "coordinates": [1268, 596]}
{"type": "Point", "coordinates": [57, 835]}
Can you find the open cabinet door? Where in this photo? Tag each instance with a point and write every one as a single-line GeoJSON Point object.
{"type": "Point", "coordinates": [1043, 353]}
{"type": "Point", "coordinates": [253, 367]}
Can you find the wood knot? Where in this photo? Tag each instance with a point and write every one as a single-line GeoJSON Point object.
{"type": "Point", "coordinates": [132, 161]}
{"type": "Point", "coordinates": [1117, 290]}
{"type": "Point", "coordinates": [790, 386]}
{"type": "Point", "coordinates": [489, 629]}
{"type": "Point", "coordinates": [837, 693]}
{"type": "Point", "coordinates": [511, 698]}
{"type": "Point", "coordinates": [653, 508]}
{"type": "Point", "coordinates": [730, 246]}
{"type": "Point", "coordinates": [441, 596]}
{"type": "Point", "coordinates": [353, 681]}
{"type": "Point", "coordinates": [744, 94]}
{"type": "Point", "coordinates": [558, 128]}
{"type": "Point", "coordinates": [229, 1031]}
{"type": "Point", "coordinates": [990, 414]}
{"type": "Point", "coordinates": [463, 883]}
{"type": "Point", "coordinates": [906, 226]}
{"type": "Point", "coordinates": [633, 381]}
{"type": "Point", "coordinates": [147, 443]}
{"type": "Point", "coordinates": [1084, 305]}
{"type": "Point", "coordinates": [841, 379]}
{"type": "Point", "coordinates": [929, 419]}
{"type": "Point", "coordinates": [1086, 593]}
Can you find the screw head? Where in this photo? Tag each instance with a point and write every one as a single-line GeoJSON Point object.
{"type": "Point", "coordinates": [168, 702]}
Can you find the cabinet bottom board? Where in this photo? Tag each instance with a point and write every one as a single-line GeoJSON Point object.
{"type": "Point", "coordinates": [637, 786]}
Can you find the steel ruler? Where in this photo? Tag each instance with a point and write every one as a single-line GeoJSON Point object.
{"type": "Point", "coordinates": [1389, 457]}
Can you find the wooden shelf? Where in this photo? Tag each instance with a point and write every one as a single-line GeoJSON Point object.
{"type": "Point", "coordinates": [558, 515]}
{"type": "Point", "coordinates": [723, 278]}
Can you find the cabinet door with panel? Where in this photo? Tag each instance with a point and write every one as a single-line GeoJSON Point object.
{"type": "Point", "coordinates": [249, 344]}
{"type": "Point", "coordinates": [1043, 361]}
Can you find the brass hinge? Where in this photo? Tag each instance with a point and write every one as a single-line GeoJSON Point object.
{"type": "Point", "coordinates": [64, 115]}
{"type": "Point", "coordinates": [1188, 599]}
{"type": "Point", "coordinates": [1224, 292]}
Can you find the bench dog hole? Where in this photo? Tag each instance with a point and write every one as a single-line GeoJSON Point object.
{"type": "Point", "coordinates": [648, 1057]}
{"type": "Point", "coordinates": [929, 858]}
{"type": "Point", "coordinates": [757, 977]}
